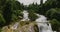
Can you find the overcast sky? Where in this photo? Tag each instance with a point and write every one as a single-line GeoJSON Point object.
{"type": "Point", "coordinates": [27, 2]}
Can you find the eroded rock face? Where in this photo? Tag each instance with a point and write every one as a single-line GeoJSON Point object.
{"type": "Point", "coordinates": [27, 28]}
{"type": "Point", "coordinates": [20, 28]}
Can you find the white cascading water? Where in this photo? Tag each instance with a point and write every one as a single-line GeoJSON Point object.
{"type": "Point", "coordinates": [15, 26]}
{"type": "Point", "coordinates": [43, 24]}
{"type": "Point", "coordinates": [25, 16]}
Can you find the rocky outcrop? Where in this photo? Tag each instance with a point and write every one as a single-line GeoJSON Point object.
{"type": "Point", "coordinates": [21, 27]}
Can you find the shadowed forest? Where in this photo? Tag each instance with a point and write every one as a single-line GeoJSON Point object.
{"type": "Point", "coordinates": [10, 10]}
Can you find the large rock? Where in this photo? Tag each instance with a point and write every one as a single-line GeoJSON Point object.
{"type": "Point", "coordinates": [21, 27]}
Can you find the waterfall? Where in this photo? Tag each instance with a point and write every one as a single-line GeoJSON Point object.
{"type": "Point", "coordinates": [41, 21]}
{"type": "Point", "coordinates": [42, 24]}
{"type": "Point", "coordinates": [25, 16]}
